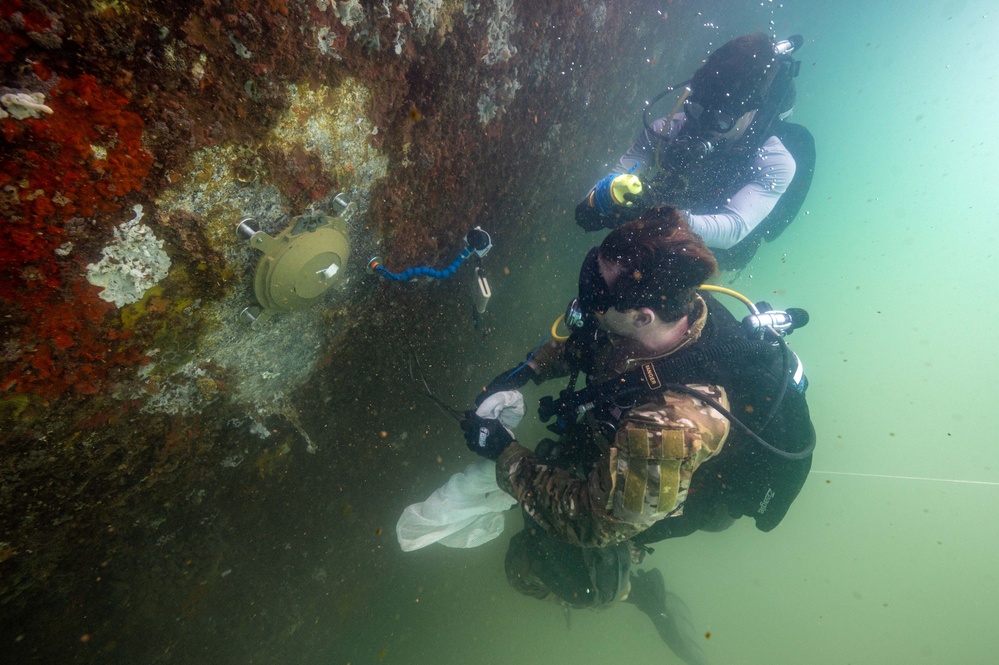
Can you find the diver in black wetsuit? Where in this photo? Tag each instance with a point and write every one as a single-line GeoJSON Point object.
{"type": "Point", "coordinates": [726, 156]}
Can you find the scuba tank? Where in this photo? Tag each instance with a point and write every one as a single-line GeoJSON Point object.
{"type": "Point", "coordinates": [767, 455]}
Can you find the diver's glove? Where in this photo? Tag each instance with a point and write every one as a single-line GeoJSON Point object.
{"type": "Point", "coordinates": [512, 379]}
{"type": "Point", "coordinates": [617, 191]}
{"type": "Point", "coordinates": [485, 436]}
{"type": "Point", "coordinates": [588, 219]}
{"type": "Point", "coordinates": [617, 198]}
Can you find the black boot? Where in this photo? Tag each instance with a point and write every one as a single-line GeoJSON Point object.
{"type": "Point", "coordinates": [669, 614]}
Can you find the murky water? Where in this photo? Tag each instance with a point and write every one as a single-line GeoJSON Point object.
{"type": "Point", "coordinates": [887, 555]}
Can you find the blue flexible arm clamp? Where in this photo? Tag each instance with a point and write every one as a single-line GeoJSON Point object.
{"type": "Point", "coordinates": [477, 242]}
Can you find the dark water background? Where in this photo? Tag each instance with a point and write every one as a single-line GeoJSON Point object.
{"type": "Point", "coordinates": [894, 256]}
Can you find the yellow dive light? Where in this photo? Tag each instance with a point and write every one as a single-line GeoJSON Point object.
{"type": "Point", "coordinates": [624, 188]}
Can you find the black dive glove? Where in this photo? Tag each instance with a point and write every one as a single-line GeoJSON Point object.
{"type": "Point", "coordinates": [485, 437]}
{"type": "Point", "coordinates": [589, 219]}
{"type": "Point", "coordinates": [512, 379]}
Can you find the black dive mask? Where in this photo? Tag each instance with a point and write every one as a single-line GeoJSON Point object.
{"type": "Point", "coordinates": [595, 297]}
{"type": "Point", "coordinates": [702, 119]}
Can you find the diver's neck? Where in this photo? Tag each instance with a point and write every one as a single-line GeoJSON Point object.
{"type": "Point", "coordinates": [659, 337]}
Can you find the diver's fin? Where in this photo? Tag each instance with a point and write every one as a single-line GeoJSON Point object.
{"type": "Point", "coordinates": [669, 614]}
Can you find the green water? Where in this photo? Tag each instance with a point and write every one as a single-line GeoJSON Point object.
{"type": "Point", "coordinates": [894, 256]}
{"type": "Point", "coordinates": [887, 555]}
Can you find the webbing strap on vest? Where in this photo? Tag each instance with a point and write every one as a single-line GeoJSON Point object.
{"type": "Point", "coordinates": [637, 481]}
{"type": "Point", "coordinates": [669, 469]}
{"type": "Point", "coordinates": [660, 462]}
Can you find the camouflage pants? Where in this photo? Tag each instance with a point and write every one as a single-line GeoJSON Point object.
{"type": "Point", "coordinates": [542, 566]}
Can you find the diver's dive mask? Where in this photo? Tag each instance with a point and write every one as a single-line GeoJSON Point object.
{"type": "Point", "coordinates": [708, 120]}
{"type": "Point", "coordinates": [594, 296]}
{"type": "Point", "coordinates": [700, 135]}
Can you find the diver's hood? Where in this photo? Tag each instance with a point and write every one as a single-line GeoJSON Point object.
{"type": "Point", "coordinates": [594, 296]}
{"type": "Point", "coordinates": [707, 115]}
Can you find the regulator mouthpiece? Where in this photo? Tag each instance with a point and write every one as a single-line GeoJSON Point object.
{"type": "Point", "coordinates": [688, 149]}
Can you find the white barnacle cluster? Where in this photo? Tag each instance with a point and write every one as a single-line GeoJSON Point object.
{"type": "Point", "coordinates": [494, 98]}
{"type": "Point", "coordinates": [241, 49]}
{"type": "Point", "coordinates": [325, 38]}
{"type": "Point", "coordinates": [598, 14]}
{"type": "Point", "coordinates": [500, 27]}
{"type": "Point", "coordinates": [487, 104]}
{"type": "Point", "coordinates": [21, 105]}
{"type": "Point", "coordinates": [350, 13]}
{"type": "Point", "coordinates": [400, 39]}
{"type": "Point", "coordinates": [425, 15]}
{"type": "Point", "coordinates": [189, 389]}
{"type": "Point", "coordinates": [130, 265]}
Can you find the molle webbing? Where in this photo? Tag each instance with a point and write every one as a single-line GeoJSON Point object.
{"type": "Point", "coordinates": [663, 458]}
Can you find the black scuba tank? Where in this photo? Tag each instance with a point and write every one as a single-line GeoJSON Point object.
{"type": "Point", "coordinates": [745, 479]}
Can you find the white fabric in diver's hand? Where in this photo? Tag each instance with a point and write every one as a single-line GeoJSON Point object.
{"type": "Point", "coordinates": [506, 406]}
{"type": "Point", "coordinates": [467, 511]}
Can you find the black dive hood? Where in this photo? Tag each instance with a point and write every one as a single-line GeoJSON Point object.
{"type": "Point", "coordinates": [697, 140]}
{"type": "Point", "coordinates": [778, 97]}
{"type": "Point", "coordinates": [594, 296]}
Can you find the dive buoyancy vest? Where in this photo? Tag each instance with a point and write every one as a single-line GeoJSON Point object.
{"type": "Point", "coordinates": [799, 142]}
{"type": "Point", "coordinates": [705, 186]}
{"type": "Point", "coordinates": [745, 478]}
{"type": "Point", "coordinates": [700, 185]}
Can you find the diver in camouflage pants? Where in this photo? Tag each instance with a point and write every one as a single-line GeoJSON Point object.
{"type": "Point", "coordinates": [632, 471]}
